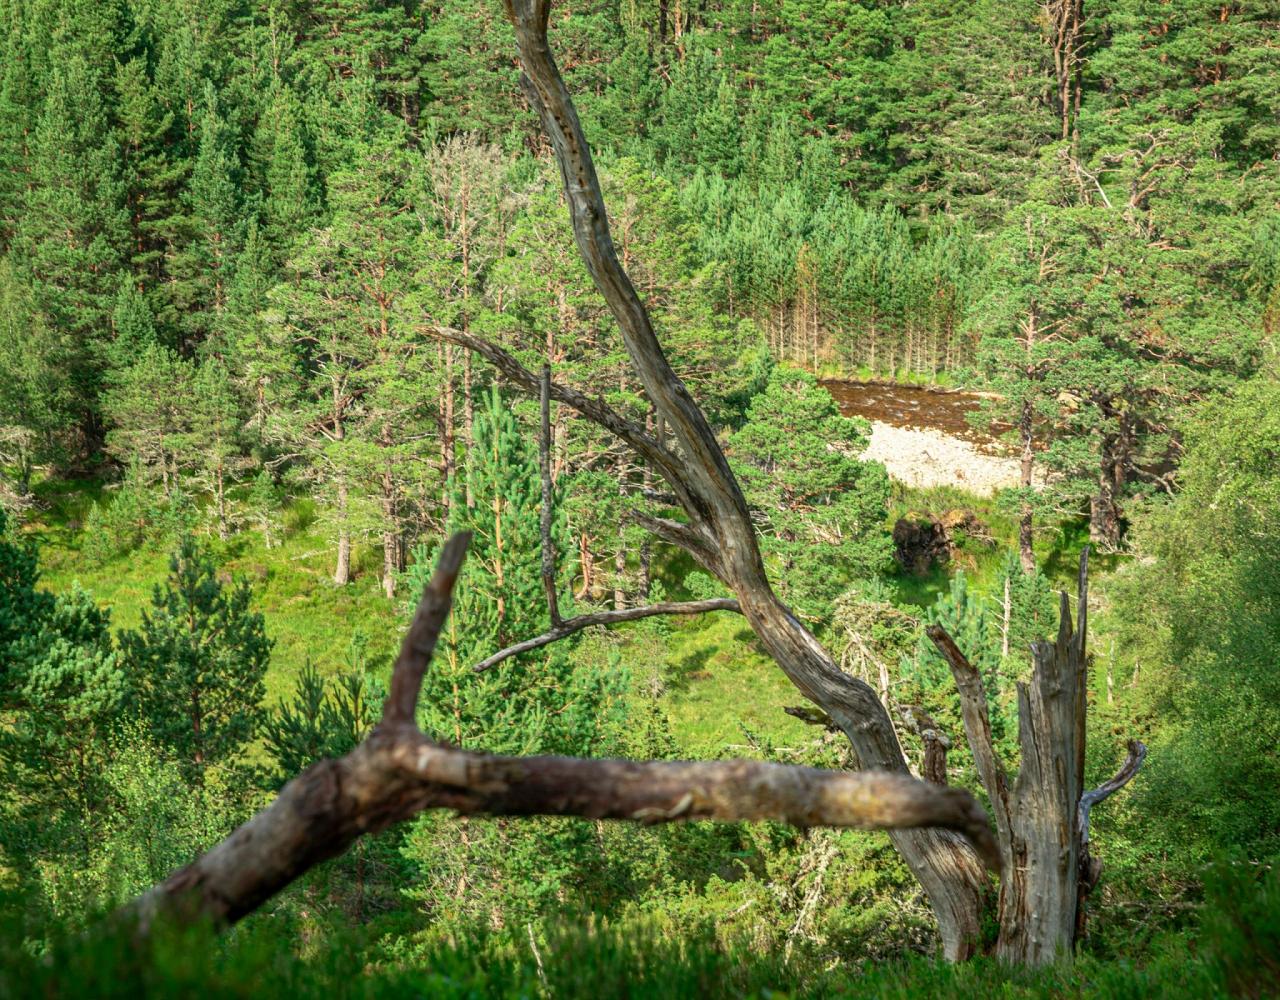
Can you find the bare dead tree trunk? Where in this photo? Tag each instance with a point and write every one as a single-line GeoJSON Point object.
{"type": "Point", "coordinates": [398, 772]}
{"type": "Point", "coordinates": [1042, 820]}
{"type": "Point", "coordinates": [1026, 536]}
{"type": "Point", "coordinates": [548, 511]}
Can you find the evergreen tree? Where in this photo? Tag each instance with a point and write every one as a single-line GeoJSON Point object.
{"type": "Point", "coordinates": [71, 236]}
{"type": "Point", "coordinates": [290, 203]}
{"type": "Point", "coordinates": [214, 226]}
{"type": "Point", "coordinates": [796, 456]}
{"type": "Point", "coordinates": [198, 660]}
{"type": "Point", "coordinates": [213, 443]}
{"type": "Point", "coordinates": [149, 404]}
{"type": "Point", "coordinates": [361, 409]}
{"type": "Point", "coordinates": [64, 686]}
{"type": "Point", "coordinates": [152, 174]}
{"type": "Point", "coordinates": [541, 703]}
{"type": "Point", "coordinates": [37, 400]}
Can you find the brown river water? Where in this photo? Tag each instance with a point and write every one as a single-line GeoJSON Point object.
{"type": "Point", "coordinates": [911, 406]}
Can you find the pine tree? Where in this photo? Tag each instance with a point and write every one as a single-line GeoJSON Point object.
{"type": "Point", "coordinates": [149, 405]}
{"type": "Point", "coordinates": [65, 687]}
{"type": "Point", "coordinates": [540, 703]}
{"type": "Point", "coordinates": [214, 226]}
{"type": "Point", "coordinates": [37, 402]}
{"type": "Point", "coordinates": [826, 508]}
{"type": "Point", "coordinates": [18, 106]}
{"type": "Point", "coordinates": [290, 203]}
{"type": "Point", "coordinates": [198, 660]}
{"type": "Point", "coordinates": [152, 176]}
{"type": "Point", "coordinates": [1030, 334]}
{"type": "Point", "coordinates": [213, 443]}
{"type": "Point", "coordinates": [361, 412]}
{"type": "Point", "coordinates": [71, 236]}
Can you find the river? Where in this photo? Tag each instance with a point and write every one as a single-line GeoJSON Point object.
{"type": "Point", "coordinates": [923, 436]}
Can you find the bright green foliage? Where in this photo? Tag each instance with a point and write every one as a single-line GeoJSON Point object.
{"type": "Point", "coordinates": [358, 410]}
{"type": "Point", "coordinates": [215, 224]}
{"type": "Point", "coordinates": [262, 507]}
{"type": "Point", "coordinates": [36, 400]}
{"type": "Point", "coordinates": [797, 458]}
{"type": "Point", "coordinates": [155, 822]}
{"type": "Point", "coordinates": [291, 201]}
{"type": "Point", "coordinates": [227, 232]}
{"type": "Point", "coordinates": [198, 660]}
{"type": "Point", "coordinates": [536, 703]}
{"type": "Point", "coordinates": [149, 404]}
{"type": "Point", "coordinates": [539, 703]}
{"type": "Point", "coordinates": [72, 229]}
{"type": "Point", "coordinates": [213, 443]}
{"type": "Point", "coordinates": [325, 719]}
{"type": "Point", "coordinates": [1206, 608]}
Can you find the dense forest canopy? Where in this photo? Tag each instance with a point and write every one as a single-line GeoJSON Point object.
{"type": "Point", "coordinates": [231, 234]}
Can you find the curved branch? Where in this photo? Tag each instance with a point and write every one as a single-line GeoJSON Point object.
{"type": "Point", "coordinates": [710, 480]}
{"type": "Point", "coordinates": [595, 410]}
{"type": "Point", "coordinates": [662, 791]}
{"type": "Point", "coordinates": [684, 536]}
{"type": "Point", "coordinates": [580, 622]}
{"type": "Point", "coordinates": [419, 643]}
{"type": "Point", "coordinates": [1128, 770]}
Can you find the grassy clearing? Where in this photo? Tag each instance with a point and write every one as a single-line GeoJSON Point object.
{"type": "Point", "coordinates": [720, 688]}
{"type": "Point", "coordinates": [306, 615]}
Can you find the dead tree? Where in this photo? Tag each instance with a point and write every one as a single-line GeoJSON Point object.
{"type": "Point", "coordinates": [1042, 818]}
{"type": "Point", "coordinates": [399, 771]}
{"type": "Point", "coordinates": [716, 529]}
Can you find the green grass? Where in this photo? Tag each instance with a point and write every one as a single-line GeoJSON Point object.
{"type": "Point", "coordinates": [715, 674]}
{"type": "Point", "coordinates": [307, 616]}
{"type": "Point", "coordinates": [718, 680]}
{"type": "Point", "coordinates": [593, 957]}
{"type": "Point", "coordinates": [839, 373]}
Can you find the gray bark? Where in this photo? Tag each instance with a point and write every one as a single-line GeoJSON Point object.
{"type": "Point", "coordinates": [719, 533]}
{"type": "Point", "coordinates": [1042, 819]}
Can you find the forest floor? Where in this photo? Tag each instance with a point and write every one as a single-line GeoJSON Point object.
{"type": "Point", "coordinates": [721, 691]}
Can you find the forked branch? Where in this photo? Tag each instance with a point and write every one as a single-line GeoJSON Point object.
{"type": "Point", "coordinates": [398, 772]}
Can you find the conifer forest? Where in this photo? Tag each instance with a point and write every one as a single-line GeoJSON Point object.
{"type": "Point", "coordinates": [640, 498]}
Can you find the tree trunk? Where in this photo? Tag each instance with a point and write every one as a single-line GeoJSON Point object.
{"type": "Point", "coordinates": [720, 534]}
{"type": "Point", "coordinates": [1042, 824]}
{"type": "Point", "coordinates": [342, 569]}
{"type": "Point", "coordinates": [952, 876]}
{"type": "Point", "coordinates": [1026, 551]}
{"type": "Point", "coordinates": [468, 419]}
